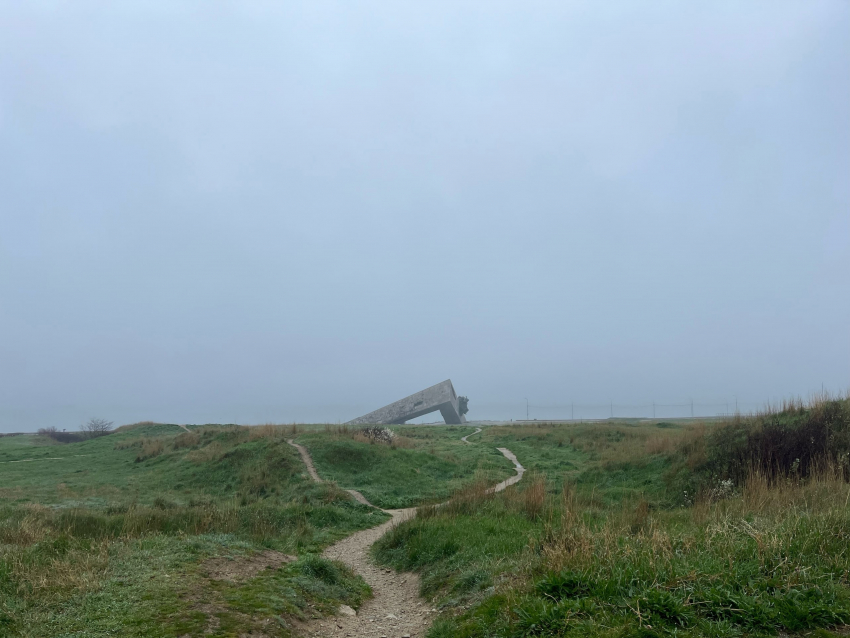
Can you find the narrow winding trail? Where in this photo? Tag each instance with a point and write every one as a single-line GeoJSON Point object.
{"type": "Point", "coordinates": [519, 469]}
{"type": "Point", "coordinates": [464, 439]}
{"type": "Point", "coordinates": [396, 609]}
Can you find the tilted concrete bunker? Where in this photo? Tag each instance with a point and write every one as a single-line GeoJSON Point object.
{"type": "Point", "coordinates": [440, 397]}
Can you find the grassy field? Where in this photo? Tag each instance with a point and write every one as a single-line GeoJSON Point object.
{"type": "Point", "coordinates": [647, 530]}
{"type": "Point", "coordinates": [619, 529]}
{"type": "Point", "coordinates": [424, 464]}
{"type": "Point", "coordinates": [154, 531]}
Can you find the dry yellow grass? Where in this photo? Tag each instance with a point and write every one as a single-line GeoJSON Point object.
{"type": "Point", "coordinates": [465, 501]}
{"type": "Point", "coordinates": [270, 431]}
{"type": "Point", "coordinates": [150, 449]}
{"type": "Point", "coordinates": [825, 490]}
{"type": "Point", "coordinates": [206, 454]}
{"type": "Point", "coordinates": [186, 439]}
{"type": "Point", "coordinates": [78, 569]}
{"type": "Point", "coordinates": [534, 496]}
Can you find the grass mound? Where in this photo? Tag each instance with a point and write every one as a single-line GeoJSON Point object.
{"type": "Point", "coordinates": [592, 555]}
{"type": "Point", "coordinates": [793, 442]}
{"type": "Point", "coordinates": [109, 536]}
{"type": "Point", "coordinates": [417, 464]}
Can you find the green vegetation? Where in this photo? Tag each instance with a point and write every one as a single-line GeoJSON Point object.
{"type": "Point", "coordinates": [619, 529]}
{"type": "Point", "coordinates": [600, 539]}
{"type": "Point", "coordinates": [126, 534]}
{"type": "Point", "coordinates": [793, 442]}
{"type": "Point", "coordinates": [422, 464]}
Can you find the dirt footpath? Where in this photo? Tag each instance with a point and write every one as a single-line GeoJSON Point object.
{"type": "Point", "coordinates": [466, 438]}
{"type": "Point", "coordinates": [396, 610]}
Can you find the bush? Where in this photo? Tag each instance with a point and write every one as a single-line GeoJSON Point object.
{"type": "Point", "coordinates": [795, 442]}
{"type": "Point", "coordinates": [61, 437]}
{"type": "Point", "coordinates": [96, 427]}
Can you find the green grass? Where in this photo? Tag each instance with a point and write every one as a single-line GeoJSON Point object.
{"type": "Point", "coordinates": [111, 538]}
{"type": "Point", "coordinates": [596, 541]}
{"type": "Point", "coordinates": [426, 465]}
{"type": "Point", "coordinates": [613, 460]}
{"type": "Point", "coordinates": [459, 555]}
{"type": "Point", "coordinates": [152, 587]}
{"type": "Point", "coordinates": [106, 468]}
{"type": "Point", "coordinates": [619, 529]}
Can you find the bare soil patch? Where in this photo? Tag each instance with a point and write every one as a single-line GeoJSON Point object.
{"type": "Point", "coordinates": [242, 568]}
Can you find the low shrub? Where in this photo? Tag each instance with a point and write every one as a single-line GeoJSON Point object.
{"type": "Point", "coordinates": [62, 437]}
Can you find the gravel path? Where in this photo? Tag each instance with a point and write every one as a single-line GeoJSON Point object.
{"type": "Point", "coordinates": [464, 439]}
{"type": "Point", "coordinates": [519, 469]}
{"type": "Point", "coordinates": [395, 610]}
{"type": "Point", "coordinates": [308, 460]}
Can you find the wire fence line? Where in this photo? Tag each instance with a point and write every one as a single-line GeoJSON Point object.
{"type": "Point", "coordinates": [579, 411]}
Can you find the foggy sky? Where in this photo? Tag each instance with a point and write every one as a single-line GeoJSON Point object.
{"type": "Point", "coordinates": [249, 212]}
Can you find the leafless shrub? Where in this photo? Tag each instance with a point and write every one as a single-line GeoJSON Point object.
{"type": "Point", "coordinates": [96, 427]}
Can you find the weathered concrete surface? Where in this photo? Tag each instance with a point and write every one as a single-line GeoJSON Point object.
{"type": "Point", "coordinates": [440, 397]}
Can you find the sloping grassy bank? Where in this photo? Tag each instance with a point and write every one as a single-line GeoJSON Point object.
{"type": "Point", "coordinates": [763, 556]}
{"type": "Point", "coordinates": [422, 464]}
{"type": "Point", "coordinates": [113, 536]}
{"type": "Point", "coordinates": [614, 460]}
{"type": "Point", "coordinates": [793, 442]}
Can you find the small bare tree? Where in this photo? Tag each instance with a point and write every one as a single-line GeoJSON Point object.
{"type": "Point", "coordinates": [96, 427]}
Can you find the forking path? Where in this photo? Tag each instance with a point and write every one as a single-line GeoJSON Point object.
{"type": "Point", "coordinates": [396, 610]}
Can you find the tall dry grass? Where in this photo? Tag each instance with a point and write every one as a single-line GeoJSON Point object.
{"type": "Point", "coordinates": [528, 497]}
{"type": "Point", "coordinates": [150, 448]}
{"type": "Point", "coordinates": [467, 500]}
{"type": "Point", "coordinates": [773, 513]}
{"type": "Point", "coordinates": [74, 567]}
{"type": "Point", "coordinates": [824, 491]}
{"type": "Point", "coordinates": [792, 439]}
{"type": "Point", "coordinates": [271, 432]}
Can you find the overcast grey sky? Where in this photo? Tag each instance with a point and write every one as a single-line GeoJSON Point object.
{"type": "Point", "coordinates": [252, 212]}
